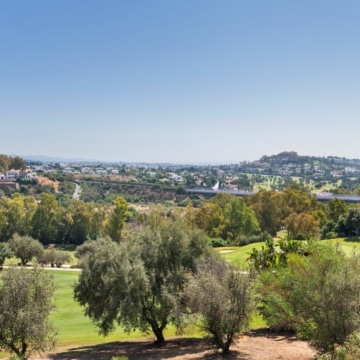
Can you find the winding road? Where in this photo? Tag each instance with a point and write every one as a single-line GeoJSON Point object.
{"type": "Point", "coordinates": [77, 191]}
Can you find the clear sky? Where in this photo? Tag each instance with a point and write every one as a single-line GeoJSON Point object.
{"type": "Point", "coordinates": [195, 81]}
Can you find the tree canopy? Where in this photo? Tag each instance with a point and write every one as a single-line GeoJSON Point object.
{"type": "Point", "coordinates": [136, 282]}
{"type": "Point", "coordinates": [25, 306]}
{"type": "Point", "coordinates": [222, 295]}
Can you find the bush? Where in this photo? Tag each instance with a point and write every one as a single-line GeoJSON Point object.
{"type": "Point", "coordinates": [223, 296]}
{"type": "Point", "coordinates": [300, 236]}
{"type": "Point", "coordinates": [316, 294]}
{"type": "Point", "coordinates": [349, 351]}
{"type": "Point", "coordinates": [217, 242]}
{"type": "Point", "coordinates": [54, 257]}
{"type": "Point", "coordinates": [251, 239]}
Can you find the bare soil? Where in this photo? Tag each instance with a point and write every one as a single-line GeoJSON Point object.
{"type": "Point", "coordinates": [254, 345]}
{"type": "Point", "coordinates": [45, 181]}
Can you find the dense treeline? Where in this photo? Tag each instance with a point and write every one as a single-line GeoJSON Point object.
{"type": "Point", "coordinates": [232, 219]}
{"type": "Point", "coordinates": [8, 163]}
{"type": "Point", "coordinates": [47, 221]}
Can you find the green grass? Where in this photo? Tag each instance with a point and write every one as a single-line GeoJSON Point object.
{"type": "Point", "coordinates": [348, 245]}
{"type": "Point", "coordinates": [238, 254]}
{"type": "Point", "coordinates": [76, 329]}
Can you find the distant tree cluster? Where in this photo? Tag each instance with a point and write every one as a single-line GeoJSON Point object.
{"type": "Point", "coordinates": [224, 216]}
{"type": "Point", "coordinates": [233, 219]}
{"type": "Point", "coordinates": [8, 163]}
{"type": "Point", "coordinates": [50, 223]}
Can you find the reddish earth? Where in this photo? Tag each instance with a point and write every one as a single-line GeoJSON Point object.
{"type": "Point", "coordinates": [256, 345]}
{"type": "Point", "coordinates": [45, 181]}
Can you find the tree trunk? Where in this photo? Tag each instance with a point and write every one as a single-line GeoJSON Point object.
{"type": "Point", "coordinates": [23, 350]}
{"type": "Point", "coordinates": [18, 353]}
{"type": "Point", "coordinates": [158, 332]}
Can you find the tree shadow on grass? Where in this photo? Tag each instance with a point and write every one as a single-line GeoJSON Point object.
{"type": "Point", "coordinates": [354, 239]}
{"type": "Point", "coordinates": [145, 350]}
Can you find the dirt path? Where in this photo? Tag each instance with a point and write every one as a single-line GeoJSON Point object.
{"type": "Point", "coordinates": [251, 346]}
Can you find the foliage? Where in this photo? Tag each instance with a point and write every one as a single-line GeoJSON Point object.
{"type": "Point", "coordinates": [349, 351]}
{"type": "Point", "coordinates": [5, 252]}
{"type": "Point", "coordinates": [222, 295]}
{"type": "Point", "coordinates": [317, 295]}
{"type": "Point", "coordinates": [305, 224]}
{"type": "Point", "coordinates": [46, 219]}
{"type": "Point", "coordinates": [265, 257]}
{"type": "Point", "coordinates": [25, 248]}
{"type": "Point", "coordinates": [8, 163]}
{"type": "Point", "coordinates": [54, 257]}
{"type": "Point", "coordinates": [15, 215]}
{"type": "Point", "coordinates": [217, 242]}
{"type": "Point", "coordinates": [137, 281]}
{"type": "Point", "coordinates": [225, 216]}
{"type": "Point", "coordinates": [25, 305]}
{"type": "Point", "coordinates": [117, 219]}
{"type": "Point", "coordinates": [328, 231]}
{"type": "Point", "coordinates": [267, 209]}
{"type": "Point", "coordinates": [335, 209]}
{"type": "Point", "coordinates": [251, 239]}
{"type": "Point", "coordinates": [352, 222]}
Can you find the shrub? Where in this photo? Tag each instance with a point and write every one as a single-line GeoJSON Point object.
{"type": "Point", "coordinates": [349, 351]}
{"type": "Point", "coordinates": [245, 240]}
{"type": "Point", "coordinates": [316, 295]}
{"type": "Point", "coordinates": [217, 242]}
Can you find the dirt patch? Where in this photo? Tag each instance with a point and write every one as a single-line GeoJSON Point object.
{"type": "Point", "coordinates": [253, 345]}
{"type": "Point", "coordinates": [42, 180]}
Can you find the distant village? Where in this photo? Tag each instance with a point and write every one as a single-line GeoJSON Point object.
{"type": "Point", "coordinates": [230, 176]}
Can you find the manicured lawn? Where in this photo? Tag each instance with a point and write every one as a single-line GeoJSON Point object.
{"type": "Point", "coordinates": [77, 330]}
{"type": "Point", "coordinates": [74, 328]}
{"type": "Point", "coordinates": [238, 254]}
{"type": "Point", "coordinates": [348, 245]}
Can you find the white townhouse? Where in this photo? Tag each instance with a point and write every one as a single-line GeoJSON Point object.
{"type": "Point", "coordinates": [15, 174]}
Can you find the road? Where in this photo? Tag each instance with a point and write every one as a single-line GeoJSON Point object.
{"type": "Point", "coordinates": [77, 191]}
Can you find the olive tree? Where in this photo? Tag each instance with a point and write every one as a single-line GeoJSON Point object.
{"type": "Point", "coordinates": [25, 306]}
{"type": "Point", "coordinates": [25, 248]}
{"type": "Point", "coordinates": [5, 252]}
{"type": "Point", "coordinates": [54, 257]}
{"type": "Point", "coordinates": [222, 294]}
{"type": "Point", "coordinates": [136, 282]}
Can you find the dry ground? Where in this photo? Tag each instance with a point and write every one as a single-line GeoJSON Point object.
{"type": "Point", "coordinates": [255, 345]}
{"type": "Point", "coordinates": [45, 181]}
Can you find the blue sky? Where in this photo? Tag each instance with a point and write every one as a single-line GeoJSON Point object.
{"type": "Point", "coordinates": [195, 81]}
